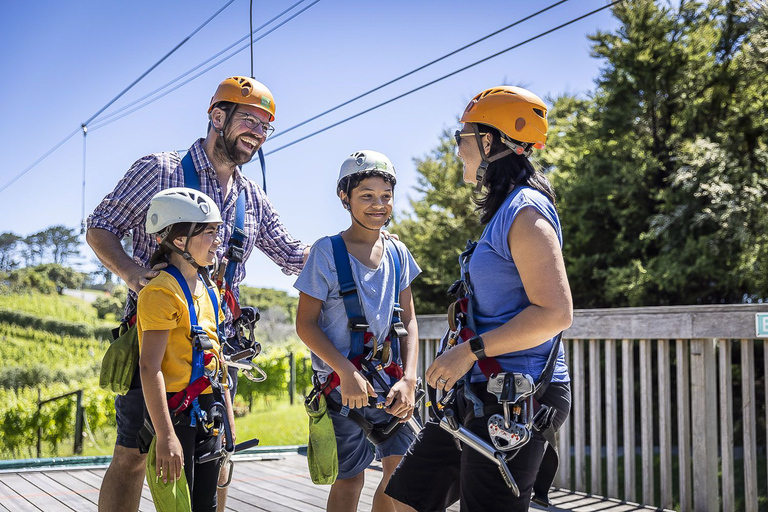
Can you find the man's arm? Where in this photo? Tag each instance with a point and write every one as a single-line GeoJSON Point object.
{"type": "Point", "coordinates": [110, 252]}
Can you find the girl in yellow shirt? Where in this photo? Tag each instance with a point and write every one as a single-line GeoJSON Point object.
{"type": "Point", "coordinates": [179, 344]}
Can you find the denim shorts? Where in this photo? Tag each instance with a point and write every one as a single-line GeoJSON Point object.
{"type": "Point", "coordinates": [129, 412]}
{"type": "Point", "coordinates": [354, 450]}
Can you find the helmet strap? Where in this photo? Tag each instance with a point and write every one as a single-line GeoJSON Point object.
{"type": "Point", "coordinates": [184, 253]}
{"type": "Point", "coordinates": [363, 225]}
{"type": "Point", "coordinates": [482, 170]}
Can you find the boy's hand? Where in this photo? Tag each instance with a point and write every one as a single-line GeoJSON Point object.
{"type": "Point", "coordinates": [355, 390]}
{"type": "Point", "coordinates": [388, 235]}
{"type": "Point", "coordinates": [401, 399]}
{"type": "Point", "coordinates": [170, 457]}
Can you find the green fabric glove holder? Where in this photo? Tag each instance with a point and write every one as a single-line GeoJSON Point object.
{"type": "Point", "coordinates": [322, 457]}
{"type": "Point", "coordinates": [172, 496]}
{"type": "Point", "coordinates": [120, 360]}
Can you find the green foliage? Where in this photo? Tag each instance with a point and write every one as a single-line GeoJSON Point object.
{"type": "Point", "coordinates": [113, 303]}
{"type": "Point", "coordinates": [51, 325]}
{"type": "Point", "coordinates": [268, 298]}
{"type": "Point", "coordinates": [63, 308]}
{"type": "Point", "coordinates": [45, 278]}
{"type": "Point", "coordinates": [661, 172]}
{"type": "Point", "coordinates": [437, 229]}
{"type": "Point", "coordinates": [276, 363]}
{"type": "Point", "coordinates": [8, 243]}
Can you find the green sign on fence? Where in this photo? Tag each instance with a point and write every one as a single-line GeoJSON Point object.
{"type": "Point", "coordinates": [761, 325]}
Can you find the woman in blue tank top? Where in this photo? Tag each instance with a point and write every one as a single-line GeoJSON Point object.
{"type": "Point", "coordinates": [520, 301]}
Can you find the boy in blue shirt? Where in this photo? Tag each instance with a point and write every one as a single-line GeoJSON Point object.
{"type": "Point", "coordinates": [353, 367]}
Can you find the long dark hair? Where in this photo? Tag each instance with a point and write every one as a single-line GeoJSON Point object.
{"type": "Point", "coordinates": [163, 252]}
{"type": "Point", "coordinates": [503, 173]}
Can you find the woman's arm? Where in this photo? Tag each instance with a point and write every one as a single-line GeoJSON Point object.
{"type": "Point", "coordinates": [355, 388]}
{"type": "Point", "coordinates": [170, 457]}
{"type": "Point", "coordinates": [536, 251]}
{"type": "Point", "coordinates": [401, 395]}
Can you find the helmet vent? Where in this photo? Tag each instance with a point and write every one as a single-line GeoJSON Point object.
{"type": "Point", "coordinates": [359, 157]}
{"type": "Point", "coordinates": [539, 113]}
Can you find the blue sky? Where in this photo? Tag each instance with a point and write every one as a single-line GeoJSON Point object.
{"type": "Point", "coordinates": [63, 61]}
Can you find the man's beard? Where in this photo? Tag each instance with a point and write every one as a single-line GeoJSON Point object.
{"type": "Point", "coordinates": [226, 148]}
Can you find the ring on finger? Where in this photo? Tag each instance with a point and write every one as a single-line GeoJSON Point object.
{"type": "Point", "coordinates": [442, 380]}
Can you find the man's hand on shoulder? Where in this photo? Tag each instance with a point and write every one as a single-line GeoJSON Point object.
{"type": "Point", "coordinates": [389, 235]}
{"type": "Point", "coordinates": [140, 277]}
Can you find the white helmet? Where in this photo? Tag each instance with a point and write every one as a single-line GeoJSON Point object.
{"type": "Point", "coordinates": [180, 204]}
{"type": "Point", "coordinates": [365, 160]}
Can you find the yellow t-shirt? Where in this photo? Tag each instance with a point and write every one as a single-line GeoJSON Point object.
{"type": "Point", "coordinates": [162, 307]}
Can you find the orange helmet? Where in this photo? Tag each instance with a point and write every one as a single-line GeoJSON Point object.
{"type": "Point", "coordinates": [517, 113]}
{"type": "Point", "coordinates": [246, 91]}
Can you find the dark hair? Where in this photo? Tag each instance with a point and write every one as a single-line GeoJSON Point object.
{"type": "Point", "coordinates": [226, 106]}
{"type": "Point", "coordinates": [503, 173]}
{"type": "Point", "coordinates": [163, 252]}
{"type": "Point", "coordinates": [351, 182]}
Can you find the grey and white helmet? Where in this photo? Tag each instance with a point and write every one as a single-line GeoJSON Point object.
{"type": "Point", "coordinates": [366, 160]}
{"type": "Point", "coordinates": [180, 204]}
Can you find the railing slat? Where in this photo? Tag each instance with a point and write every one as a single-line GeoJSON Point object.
{"type": "Point", "coordinates": [704, 422]}
{"type": "Point", "coordinates": [646, 420]}
{"type": "Point", "coordinates": [579, 403]}
{"type": "Point", "coordinates": [564, 437]}
{"type": "Point", "coordinates": [665, 424]}
{"type": "Point", "coordinates": [628, 412]}
{"type": "Point", "coordinates": [726, 424]}
{"type": "Point", "coordinates": [595, 421]}
{"type": "Point", "coordinates": [748, 415]}
{"type": "Point", "coordinates": [684, 424]}
{"type": "Point", "coordinates": [611, 419]}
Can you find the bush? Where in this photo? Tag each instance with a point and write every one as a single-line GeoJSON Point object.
{"type": "Point", "coordinates": [46, 324]}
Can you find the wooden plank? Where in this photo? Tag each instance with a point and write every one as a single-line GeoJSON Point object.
{"type": "Point", "coordinates": [704, 422]}
{"type": "Point", "coordinates": [595, 420]}
{"type": "Point", "coordinates": [611, 419]}
{"type": "Point", "coordinates": [564, 437]}
{"type": "Point", "coordinates": [646, 421]}
{"type": "Point", "coordinates": [726, 425]}
{"type": "Point", "coordinates": [749, 420]}
{"type": "Point", "coordinates": [628, 413]}
{"type": "Point", "coordinates": [11, 500]}
{"type": "Point", "coordinates": [665, 424]}
{"type": "Point", "coordinates": [684, 423]}
{"type": "Point", "coordinates": [33, 494]}
{"type": "Point", "coordinates": [579, 403]}
{"type": "Point", "coordinates": [59, 491]}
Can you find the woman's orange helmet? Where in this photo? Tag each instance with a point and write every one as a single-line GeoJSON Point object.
{"type": "Point", "coordinates": [517, 113]}
{"type": "Point", "coordinates": [245, 91]}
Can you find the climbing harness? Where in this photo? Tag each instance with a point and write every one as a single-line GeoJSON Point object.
{"type": "Point", "coordinates": [368, 355]}
{"type": "Point", "coordinates": [516, 393]}
{"type": "Point", "coordinates": [239, 350]}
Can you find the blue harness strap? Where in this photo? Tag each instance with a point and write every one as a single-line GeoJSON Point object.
{"type": "Point", "coordinates": [191, 179]}
{"type": "Point", "coordinates": [198, 352]}
{"type": "Point", "coordinates": [348, 290]}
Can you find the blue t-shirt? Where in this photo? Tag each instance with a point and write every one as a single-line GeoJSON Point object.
{"type": "Point", "coordinates": [498, 292]}
{"type": "Point", "coordinates": [375, 287]}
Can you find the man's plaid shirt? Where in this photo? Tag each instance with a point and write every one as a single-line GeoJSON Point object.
{"type": "Point", "coordinates": [124, 210]}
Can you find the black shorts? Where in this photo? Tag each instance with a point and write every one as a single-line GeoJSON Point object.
{"type": "Point", "coordinates": [129, 413]}
{"type": "Point", "coordinates": [434, 473]}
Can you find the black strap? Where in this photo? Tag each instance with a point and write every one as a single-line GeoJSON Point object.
{"type": "Point", "coordinates": [376, 434]}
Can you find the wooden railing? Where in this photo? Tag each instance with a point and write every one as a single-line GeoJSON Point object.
{"type": "Point", "coordinates": [657, 417]}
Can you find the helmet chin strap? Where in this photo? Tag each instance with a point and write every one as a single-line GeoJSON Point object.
{"type": "Point", "coordinates": [348, 208]}
{"type": "Point", "coordinates": [482, 169]}
{"type": "Point", "coordinates": [184, 253]}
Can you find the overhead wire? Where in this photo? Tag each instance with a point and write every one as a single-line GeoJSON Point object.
{"type": "Point", "coordinates": [432, 82]}
{"type": "Point", "coordinates": [33, 164]}
{"type": "Point", "coordinates": [409, 73]}
{"type": "Point", "coordinates": [108, 118]}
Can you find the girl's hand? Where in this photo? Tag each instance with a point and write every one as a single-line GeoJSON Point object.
{"type": "Point", "coordinates": [170, 457]}
{"type": "Point", "coordinates": [355, 390]}
{"type": "Point", "coordinates": [401, 399]}
{"type": "Point", "coordinates": [450, 367]}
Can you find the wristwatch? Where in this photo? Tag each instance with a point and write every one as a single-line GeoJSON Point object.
{"type": "Point", "coordinates": [477, 347]}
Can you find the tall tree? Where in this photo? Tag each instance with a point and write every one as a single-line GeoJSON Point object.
{"type": "Point", "coordinates": [62, 242]}
{"type": "Point", "coordinates": [8, 244]}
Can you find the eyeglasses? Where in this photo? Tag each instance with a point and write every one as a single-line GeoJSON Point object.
{"type": "Point", "coordinates": [252, 122]}
{"type": "Point", "coordinates": [458, 134]}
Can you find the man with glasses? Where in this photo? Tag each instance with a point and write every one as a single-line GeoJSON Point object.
{"type": "Point", "coordinates": [239, 116]}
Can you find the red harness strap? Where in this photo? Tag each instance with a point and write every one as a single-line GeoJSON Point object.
{"type": "Point", "coordinates": [184, 398]}
{"type": "Point", "coordinates": [489, 366]}
{"type": "Point", "coordinates": [333, 381]}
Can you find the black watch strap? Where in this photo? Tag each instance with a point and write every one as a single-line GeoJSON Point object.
{"type": "Point", "coordinates": [477, 347]}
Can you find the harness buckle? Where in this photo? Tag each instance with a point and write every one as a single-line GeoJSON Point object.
{"type": "Point", "coordinates": [201, 341]}
{"type": "Point", "coordinates": [398, 330]}
{"type": "Point", "coordinates": [358, 324]}
{"type": "Point", "coordinates": [236, 253]}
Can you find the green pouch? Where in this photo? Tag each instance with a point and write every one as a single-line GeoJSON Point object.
{"type": "Point", "coordinates": [168, 497]}
{"type": "Point", "coordinates": [120, 360]}
{"type": "Point", "coordinates": [322, 458]}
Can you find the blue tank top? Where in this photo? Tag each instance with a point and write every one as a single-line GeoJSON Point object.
{"type": "Point", "coordinates": [498, 293]}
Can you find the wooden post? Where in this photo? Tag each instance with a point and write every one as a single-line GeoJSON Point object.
{"type": "Point", "coordinates": [611, 419]}
{"type": "Point", "coordinates": [628, 411]}
{"type": "Point", "coordinates": [748, 415]}
{"type": "Point", "coordinates": [665, 424]}
{"type": "Point", "coordinates": [726, 424]}
{"type": "Point", "coordinates": [579, 435]}
{"type": "Point", "coordinates": [646, 420]}
{"type": "Point", "coordinates": [684, 424]}
{"type": "Point", "coordinates": [79, 423]}
{"type": "Point", "coordinates": [292, 378]}
{"type": "Point", "coordinates": [704, 422]}
{"type": "Point", "coordinates": [564, 440]}
{"type": "Point", "coordinates": [595, 420]}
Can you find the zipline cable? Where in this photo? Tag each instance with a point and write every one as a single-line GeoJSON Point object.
{"type": "Point", "coordinates": [47, 153]}
{"type": "Point", "coordinates": [183, 41]}
{"type": "Point", "coordinates": [444, 77]}
{"type": "Point", "coordinates": [104, 123]}
{"type": "Point", "coordinates": [454, 52]}
{"type": "Point", "coordinates": [82, 218]}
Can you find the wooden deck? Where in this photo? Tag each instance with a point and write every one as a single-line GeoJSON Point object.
{"type": "Point", "coordinates": [266, 482]}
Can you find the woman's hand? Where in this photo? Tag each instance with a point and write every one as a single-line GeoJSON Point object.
{"type": "Point", "coordinates": [452, 364]}
{"type": "Point", "coordinates": [401, 399]}
{"type": "Point", "coordinates": [355, 390]}
{"type": "Point", "coordinates": [170, 457]}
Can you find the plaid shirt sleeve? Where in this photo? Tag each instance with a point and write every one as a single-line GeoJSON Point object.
{"type": "Point", "coordinates": [275, 241]}
{"type": "Point", "coordinates": [124, 208]}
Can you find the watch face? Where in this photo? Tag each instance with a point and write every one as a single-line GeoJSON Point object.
{"type": "Point", "coordinates": [476, 344]}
